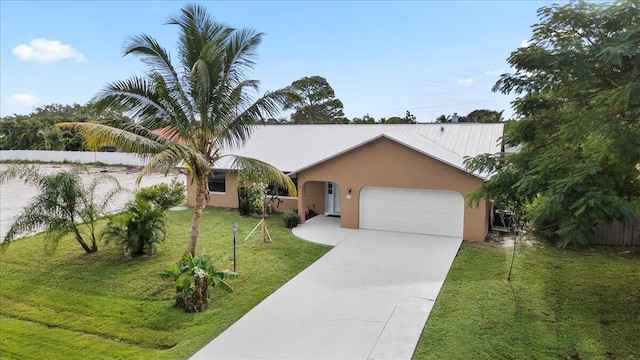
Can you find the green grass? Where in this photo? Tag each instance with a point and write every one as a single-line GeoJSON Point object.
{"type": "Point", "coordinates": [560, 304]}
{"type": "Point", "coordinates": [72, 305]}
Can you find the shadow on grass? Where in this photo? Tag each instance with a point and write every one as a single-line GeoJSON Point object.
{"type": "Point", "coordinates": [565, 304]}
{"type": "Point", "coordinates": [593, 296]}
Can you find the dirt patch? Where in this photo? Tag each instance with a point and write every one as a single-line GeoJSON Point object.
{"type": "Point", "coordinates": [15, 194]}
{"type": "Point", "coordinates": [505, 239]}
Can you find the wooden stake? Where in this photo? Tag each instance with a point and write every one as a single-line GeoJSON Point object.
{"type": "Point", "coordinates": [264, 233]}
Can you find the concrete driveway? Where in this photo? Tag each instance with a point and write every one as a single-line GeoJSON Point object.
{"type": "Point", "coordinates": [367, 298]}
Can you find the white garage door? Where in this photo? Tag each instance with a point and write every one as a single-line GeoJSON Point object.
{"type": "Point", "coordinates": [433, 212]}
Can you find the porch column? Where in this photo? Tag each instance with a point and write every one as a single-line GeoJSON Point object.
{"type": "Point", "coordinates": [301, 201]}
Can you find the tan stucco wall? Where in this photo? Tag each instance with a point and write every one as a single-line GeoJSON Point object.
{"type": "Point", "coordinates": [315, 196]}
{"type": "Point", "coordinates": [386, 163]}
{"type": "Point", "coordinates": [288, 203]}
{"type": "Point", "coordinates": [229, 199]}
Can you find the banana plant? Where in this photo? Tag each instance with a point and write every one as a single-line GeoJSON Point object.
{"type": "Point", "coordinates": [192, 278]}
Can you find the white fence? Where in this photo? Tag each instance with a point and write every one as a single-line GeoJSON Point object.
{"type": "Point", "coordinates": [83, 157]}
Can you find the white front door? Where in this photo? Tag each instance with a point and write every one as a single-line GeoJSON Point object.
{"type": "Point", "coordinates": [336, 198]}
{"type": "Point", "coordinates": [332, 199]}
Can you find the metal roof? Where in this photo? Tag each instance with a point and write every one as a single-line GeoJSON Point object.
{"type": "Point", "coordinates": [292, 148]}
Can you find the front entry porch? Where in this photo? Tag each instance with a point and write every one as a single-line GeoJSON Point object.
{"type": "Point", "coordinates": [320, 197]}
{"type": "Point", "coordinates": [323, 230]}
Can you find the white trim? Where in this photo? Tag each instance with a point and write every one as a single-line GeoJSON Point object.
{"type": "Point", "coordinates": [331, 199]}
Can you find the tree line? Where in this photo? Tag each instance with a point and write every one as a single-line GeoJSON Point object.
{"type": "Point", "coordinates": [36, 131]}
{"type": "Point", "coordinates": [316, 104]}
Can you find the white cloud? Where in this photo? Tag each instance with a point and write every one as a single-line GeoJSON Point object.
{"type": "Point", "coordinates": [465, 82]}
{"type": "Point", "coordinates": [47, 51]}
{"type": "Point", "coordinates": [494, 72]}
{"type": "Point", "coordinates": [526, 43]}
{"type": "Point", "coordinates": [295, 62]}
{"type": "Point", "coordinates": [23, 99]}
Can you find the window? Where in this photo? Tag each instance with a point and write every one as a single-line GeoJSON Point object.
{"type": "Point", "coordinates": [217, 182]}
{"type": "Point", "coordinates": [276, 190]}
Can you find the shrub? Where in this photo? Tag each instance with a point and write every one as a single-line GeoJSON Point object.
{"type": "Point", "coordinates": [291, 219]}
{"type": "Point", "coordinates": [251, 199]}
{"type": "Point", "coordinates": [139, 230]}
{"type": "Point", "coordinates": [192, 278]}
{"type": "Point", "coordinates": [244, 204]}
{"type": "Point", "coordinates": [163, 194]}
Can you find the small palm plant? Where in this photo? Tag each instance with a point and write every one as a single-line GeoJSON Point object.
{"type": "Point", "coordinates": [192, 277]}
{"type": "Point", "coordinates": [139, 229]}
{"type": "Point", "coordinates": [64, 205]}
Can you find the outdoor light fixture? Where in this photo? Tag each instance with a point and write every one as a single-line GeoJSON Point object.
{"type": "Point", "coordinates": [349, 191]}
{"type": "Point", "coordinates": [235, 233]}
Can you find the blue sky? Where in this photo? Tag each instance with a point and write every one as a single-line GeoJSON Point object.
{"type": "Point", "coordinates": [381, 58]}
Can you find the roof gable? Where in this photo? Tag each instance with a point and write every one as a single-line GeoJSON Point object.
{"type": "Point", "coordinates": [414, 142]}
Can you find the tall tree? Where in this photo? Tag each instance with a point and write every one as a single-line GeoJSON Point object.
{"type": "Point", "coordinates": [579, 80]}
{"type": "Point", "coordinates": [479, 116]}
{"type": "Point", "coordinates": [484, 116]}
{"type": "Point", "coordinates": [36, 132]}
{"type": "Point", "coordinates": [192, 113]}
{"type": "Point", "coordinates": [366, 119]}
{"type": "Point", "coordinates": [317, 102]}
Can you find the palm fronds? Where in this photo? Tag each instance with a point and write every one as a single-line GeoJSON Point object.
{"type": "Point", "coordinates": [192, 113]}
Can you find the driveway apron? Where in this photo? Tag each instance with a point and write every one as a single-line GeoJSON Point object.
{"type": "Point", "coordinates": [367, 298]}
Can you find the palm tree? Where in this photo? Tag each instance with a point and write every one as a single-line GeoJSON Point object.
{"type": "Point", "coordinates": [139, 229]}
{"type": "Point", "coordinates": [65, 205]}
{"type": "Point", "coordinates": [193, 113]}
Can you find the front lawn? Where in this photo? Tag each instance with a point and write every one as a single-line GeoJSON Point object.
{"type": "Point", "coordinates": [73, 305]}
{"type": "Point", "coordinates": [560, 304]}
{"type": "Point", "coordinates": [567, 304]}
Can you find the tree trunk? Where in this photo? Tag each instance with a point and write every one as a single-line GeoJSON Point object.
{"type": "Point", "coordinates": [513, 254]}
{"type": "Point", "coordinates": [84, 245]}
{"type": "Point", "coordinates": [140, 248]}
{"type": "Point", "coordinates": [201, 191]}
{"type": "Point", "coordinates": [94, 244]}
